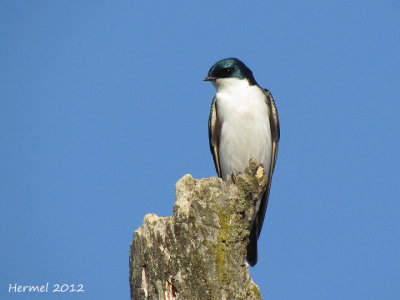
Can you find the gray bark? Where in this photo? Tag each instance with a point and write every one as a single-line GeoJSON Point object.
{"type": "Point", "coordinates": [200, 251]}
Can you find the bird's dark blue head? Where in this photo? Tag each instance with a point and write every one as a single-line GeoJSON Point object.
{"type": "Point", "coordinates": [230, 68]}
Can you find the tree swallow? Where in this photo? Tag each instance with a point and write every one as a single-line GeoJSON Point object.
{"type": "Point", "coordinates": [243, 124]}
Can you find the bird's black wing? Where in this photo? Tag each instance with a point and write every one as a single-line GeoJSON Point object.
{"type": "Point", "coordinates": [259, 219]}
{"type": "Point", "coordinates": [214, 133]}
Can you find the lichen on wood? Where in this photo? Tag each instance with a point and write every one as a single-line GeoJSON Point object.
{"type": "Point", "coordinates": [200, 251]}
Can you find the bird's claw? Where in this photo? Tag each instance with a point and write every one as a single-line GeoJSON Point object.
{"type": "Point", "coordinates": [233, 177]}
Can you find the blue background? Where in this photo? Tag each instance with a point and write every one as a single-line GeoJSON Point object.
{"type": "Point", "coordinates": [103, 110]}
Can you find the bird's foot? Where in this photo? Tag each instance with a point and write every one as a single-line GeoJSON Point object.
{"type": "Point", "coordinates": [233, 177]}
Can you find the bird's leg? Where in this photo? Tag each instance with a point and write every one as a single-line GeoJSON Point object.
{"type": "Point", "coordinates": [233, 177]}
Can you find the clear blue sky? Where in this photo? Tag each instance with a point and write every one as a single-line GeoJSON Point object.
{"type": "Point", "coordinates": [103, 110]}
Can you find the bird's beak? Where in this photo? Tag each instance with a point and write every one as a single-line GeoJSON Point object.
{"type": "Point", "coordinates": [209, 78]}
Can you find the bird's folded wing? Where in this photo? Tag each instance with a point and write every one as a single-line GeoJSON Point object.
{"type": "Point", "coordinates": [275, 135]}
{"type": "Point", "coordinates": [214, 133]}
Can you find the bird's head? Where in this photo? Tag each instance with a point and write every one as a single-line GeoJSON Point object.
{"type": "Point", "coordinates": [229, 68]}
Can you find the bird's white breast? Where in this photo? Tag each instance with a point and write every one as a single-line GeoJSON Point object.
{"type": "Point", "coordinates": [245, 130]}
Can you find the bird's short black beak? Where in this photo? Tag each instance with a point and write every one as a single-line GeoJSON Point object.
{"type": "Point", "coordinates": [209, 78]}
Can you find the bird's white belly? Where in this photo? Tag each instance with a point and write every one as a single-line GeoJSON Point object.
{"type": "Point", "coordinates": [245, 132]}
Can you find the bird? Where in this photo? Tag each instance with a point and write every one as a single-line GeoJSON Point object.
{"type": "Point", "coordinates": [243, 124]}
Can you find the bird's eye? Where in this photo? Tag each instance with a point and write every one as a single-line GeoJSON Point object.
{"type": "Point", "coordinates": [225, 72]}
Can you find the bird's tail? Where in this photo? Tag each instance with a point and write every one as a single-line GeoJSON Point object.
{"type": "Point", "coordinates": [252, 247]}
{"type": "Point", "coordinates": [255, 228]}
